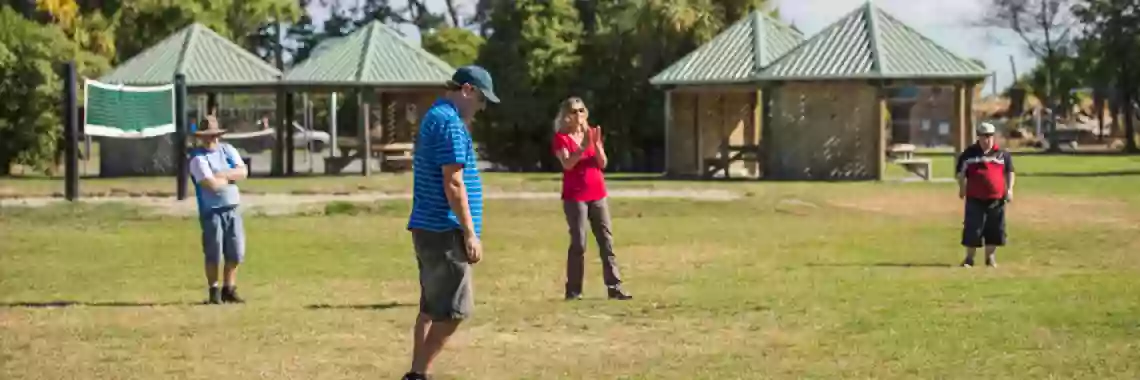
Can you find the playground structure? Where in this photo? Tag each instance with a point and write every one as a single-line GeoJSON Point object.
{"type": "Point", "coordinates": [782, 107]}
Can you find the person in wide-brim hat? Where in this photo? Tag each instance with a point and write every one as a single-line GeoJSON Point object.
{"type": "Point", "coordinates": [215, 168]}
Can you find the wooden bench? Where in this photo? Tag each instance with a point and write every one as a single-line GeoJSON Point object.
{"type": "Point", "coordinates": [918, 166]}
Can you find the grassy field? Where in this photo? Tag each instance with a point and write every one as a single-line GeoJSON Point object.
{"type": "Point", "coordinates": [795, 280]}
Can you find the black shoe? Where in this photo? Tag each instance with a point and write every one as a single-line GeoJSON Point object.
{"type": "Point", "coordinates": [229, 295]}
{"type": "Point", "coordinates": [967, 263]}
{"type": "Point", "coordinates": [573, 296]}
{"type": "Point", "coordinates": [991, 262]}
{"type": "Point", "coordinates": [215, 296]}
{"type": "Point", "coordinates": [616, 293]}
{"type": "Point", "coordinates": [415, 376]}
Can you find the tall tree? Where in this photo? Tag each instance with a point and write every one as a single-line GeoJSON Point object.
{"type": "Point", "coordinates": [1111, 34]}
{"type": "Point", "coordinates": [29, 58]}
{"type": "Point", "coordinates": [140, 24]}
{"type": "Point", "coordinates": [532, 54]}
{"type": "Point", "coordinates": [1046, 28]}
{"type": "Point", "coordinates": [456, 46]}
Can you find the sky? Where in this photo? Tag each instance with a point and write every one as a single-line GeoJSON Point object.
{"type": "Point", "coordinates": [947, 22]}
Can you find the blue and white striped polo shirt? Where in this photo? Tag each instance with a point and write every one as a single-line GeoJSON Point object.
{"type": "Point", "coordinates": [443, 139]}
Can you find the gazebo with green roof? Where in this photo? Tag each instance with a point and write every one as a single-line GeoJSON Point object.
{"type": "Point", "coordinates": [826, 117]}
{"type": "Point", "coordinates": [210, 62]}
{"type": "Point", "coordinates": [394, 82]}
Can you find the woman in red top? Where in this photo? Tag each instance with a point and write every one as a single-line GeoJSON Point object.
{"type": "Point", "coordinates": [579, 148]}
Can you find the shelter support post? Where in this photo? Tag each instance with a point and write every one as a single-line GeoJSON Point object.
{"type": "Point", "coordinates": [754, 137]}
{"type": "Point", "coordinates": [212, 104]}
{"type": "Point", "coordinates": [971, 131]}
{"type": "Point", "coordinates": [767, 98]}
{"type": "Point", "coordinates": [958, 128]}
{"type": "Point", "coordinates": [279, 137]}
{"type": "Point", "coordinates": [668, 126]}
{"type": "Point", "coordinates": [365, 135]}
{"type": "Point", "coordinates": [290, 135]}
{"type": "Point", "coordinates": [881, 123]}
{"type": "Point", "coordinates": [333, 150]}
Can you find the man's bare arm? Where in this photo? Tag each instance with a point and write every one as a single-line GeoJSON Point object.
{"type": "Point", "coordinates": [457, 197]}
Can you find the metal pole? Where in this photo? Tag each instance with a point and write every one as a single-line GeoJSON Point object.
{"type": "Point", "coordinates": [71, 133]}
{"type": "Point", "coordinates": [180, 128]}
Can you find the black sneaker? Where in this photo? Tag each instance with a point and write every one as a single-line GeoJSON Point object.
{"type": "Point", "coordinates": [615, 293]}
{"type": "Point", "coordinates": [215, 296]}
{"type": "Point", "coordinates": [967, 263]}
{"type": "Point", "coordinates": [991, 262]}
{"type": "Point", "coordinates": [415, 376]}
{"type": "Point", "coordinates": [229, 295]}
{"type": "Point", "coordinates": [573, 296]}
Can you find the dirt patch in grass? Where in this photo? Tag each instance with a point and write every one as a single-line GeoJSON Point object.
{"type": "Point", "coordinates": [1052, 209]}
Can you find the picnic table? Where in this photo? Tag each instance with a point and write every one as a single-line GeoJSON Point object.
{"type": "Point", "coordinates": [392, 156]}
{"type": "Point", "coordinates": [903, 155]}
{"type": "Point", "coordinates": [728, 155]}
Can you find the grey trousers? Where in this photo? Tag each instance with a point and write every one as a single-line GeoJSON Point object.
{"type": "Point", "coordinates": [597, 213]}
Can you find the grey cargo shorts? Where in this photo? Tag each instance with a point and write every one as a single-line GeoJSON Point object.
{"type": "Point", "coordinates": [446, 291]}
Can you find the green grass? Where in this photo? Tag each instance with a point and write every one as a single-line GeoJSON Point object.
{"type": "Point", "coordinates": [795, 280]}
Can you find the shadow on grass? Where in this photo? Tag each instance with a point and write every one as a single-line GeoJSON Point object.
{"type": "Point", "coordinates": [883, 265]}
{"type": "Point", "coordinates": [378, 306]}
{"type": "Point", "coordinates": [61, 304]}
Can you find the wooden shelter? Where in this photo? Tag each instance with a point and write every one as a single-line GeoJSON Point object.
{"type": "Point", "coordinates": [394, 83]}
{"type": "Point", "coordinates": [820, 109]}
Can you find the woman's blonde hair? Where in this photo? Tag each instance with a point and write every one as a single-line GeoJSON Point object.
{"type": "Point", "coordinates": [563, 109]}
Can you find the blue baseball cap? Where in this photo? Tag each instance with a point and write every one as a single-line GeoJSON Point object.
{"type": "Point", "coordinates": [477, 77]}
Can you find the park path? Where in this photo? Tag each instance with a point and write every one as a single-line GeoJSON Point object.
{"type": "Point", "coordinates": [275, 204]}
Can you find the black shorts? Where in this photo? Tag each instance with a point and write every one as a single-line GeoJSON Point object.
{"type": "Point", "coordinates": [984, 223]}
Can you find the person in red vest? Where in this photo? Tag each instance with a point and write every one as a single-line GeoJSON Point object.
{"type": "Point", "coordinates": [580, 151]}
{"type": "Point", "coordinates": [985, 182]}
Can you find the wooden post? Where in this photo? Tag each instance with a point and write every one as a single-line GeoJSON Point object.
{"type": "Point", "coordinates": [971, 125]}
{"type": "Point", "coordinates": [957, 128]}
{"type": "Point", "coordinates": [881, 124]}
{"type": "Point", "coordinates": [365, 135]}
{"type": "Point", "coordinates": [697, 128]}
{"type": "Point", "coordinates": [290, 135]}
{"type": "Point", "coordinates": [758, 109]}
{"type": "Point", "coordinates": [767, 97]}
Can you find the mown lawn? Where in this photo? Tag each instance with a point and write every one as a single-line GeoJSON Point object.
{"type": "Point", "coordinates": [794, 280]}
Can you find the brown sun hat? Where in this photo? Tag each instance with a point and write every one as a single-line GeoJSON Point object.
{"type": "Point", "coordinates": [209, 127]}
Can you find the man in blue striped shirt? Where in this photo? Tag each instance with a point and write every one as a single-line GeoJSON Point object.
{"type": "Point", "coordinates": [447, 213]}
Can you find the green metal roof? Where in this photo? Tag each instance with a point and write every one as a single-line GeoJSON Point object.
{"type": "Point", "coordinates": [205, 57]}
{"type": "Point", "coordinates": [734, 55]}
{"type": "Point", "coordinates": [870, 43]}
{"type": "Point", "coordinates": [373, 56]}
